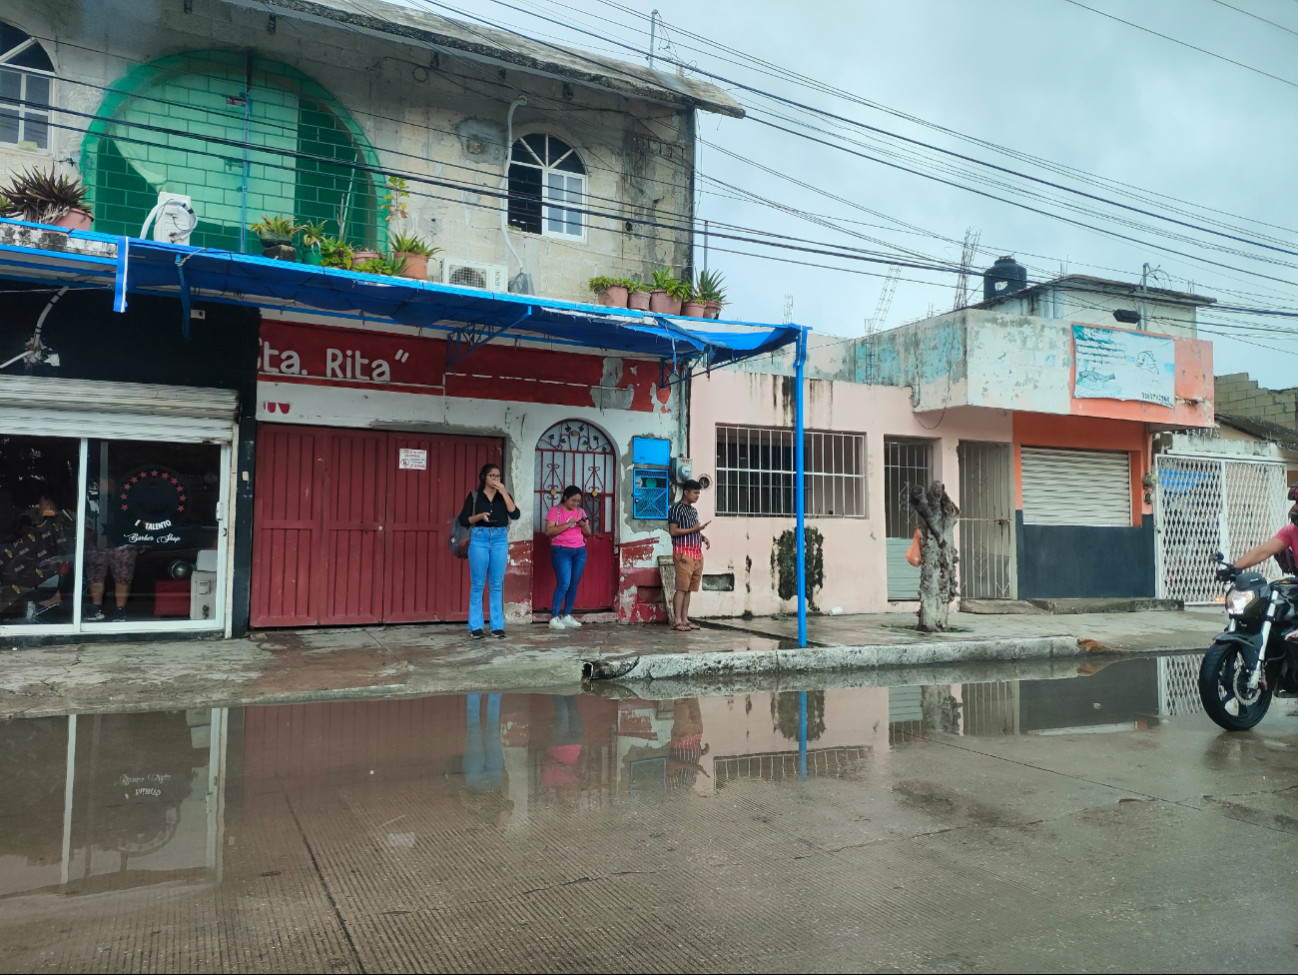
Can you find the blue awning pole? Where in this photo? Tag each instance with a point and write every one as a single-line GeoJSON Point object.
{"type": "Point", "coordinates": [799, 472]}
{"type": "Point", "coordinates": [802, 734]}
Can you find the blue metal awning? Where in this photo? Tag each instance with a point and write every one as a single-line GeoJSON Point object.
{"type": "Point", "coordinates": [470, 317]}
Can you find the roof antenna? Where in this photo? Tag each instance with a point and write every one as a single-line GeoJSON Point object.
{"type": "Point", "coordinates": [653, 37]}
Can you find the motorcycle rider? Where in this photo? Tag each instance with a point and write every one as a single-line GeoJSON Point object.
{"type": "Point", "coordinates": [1284, 547]}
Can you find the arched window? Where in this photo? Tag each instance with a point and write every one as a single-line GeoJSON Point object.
{"type": "Point", "coordinates": [26, 76]}
{"type": "Point", "coordinates": [546, 182]}
{"type": "Point", "coordinates": [175, 125]}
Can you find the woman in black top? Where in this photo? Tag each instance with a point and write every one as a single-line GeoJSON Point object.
{"type": "Point", "coordinates": [487, 514]}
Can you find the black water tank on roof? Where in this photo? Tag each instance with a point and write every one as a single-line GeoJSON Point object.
{"type": "Point", "coordinates": [1004, 277]}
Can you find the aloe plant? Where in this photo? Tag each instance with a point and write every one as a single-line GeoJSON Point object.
{"type": "Point", "coordinates": [275, 230]}
{"type": "Point", "coordinates": [41, 197]}
{"type": "Point", "coordinates": [387, 264]}
{"type": "Point", "coordinates": [712, 287]}
{"type": "Point", "coordinates": [412, 244]}
{"type": "Point", "coordinates": [313, 233]}
{"type": "Point", "coordinates": [663, 280]}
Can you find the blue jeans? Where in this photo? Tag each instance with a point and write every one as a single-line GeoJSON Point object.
{"type": "Point", "coordinates": [488, 556]}
{"type": "Point", "coordinates": [569, 563]}
{"type": "Point", "coordinates": [483, 756]}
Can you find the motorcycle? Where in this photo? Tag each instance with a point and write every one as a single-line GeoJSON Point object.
{"type": "Point", "coordinates": [1257, 655]}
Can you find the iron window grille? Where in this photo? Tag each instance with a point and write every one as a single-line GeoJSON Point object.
{"type": "Point", "coordinates": [547, 188]}
{"type": "Point", "coordinates": [26, 83]}
{"type": "Point", "coordinates": [755, 474]}
{"type": "Point", "coordinates": [905, 463]}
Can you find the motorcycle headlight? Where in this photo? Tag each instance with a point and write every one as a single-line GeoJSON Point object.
{"type": "Point", "coordinates": [1238, 600]}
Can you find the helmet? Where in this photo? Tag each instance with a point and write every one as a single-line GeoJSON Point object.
{"type": "Point", "coordinates": [1293, 492]}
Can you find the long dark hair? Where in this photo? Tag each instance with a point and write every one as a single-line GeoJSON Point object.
{"type": "Point", "coordinates": [487, 469]}
{"type": "Point", "coordinates": [570, 490]}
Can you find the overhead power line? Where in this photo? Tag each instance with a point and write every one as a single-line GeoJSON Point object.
{"type": "Point", "coordinates": [1248, 13]}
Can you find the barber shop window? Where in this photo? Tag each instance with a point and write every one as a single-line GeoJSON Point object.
{"type": "Point", "coordinates": [26, 77]}
{"type": "Point", "coordinates": [547, 188]}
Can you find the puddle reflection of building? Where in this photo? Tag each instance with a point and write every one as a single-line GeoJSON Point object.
{"type": "Point", "coordinates": [141, 801]}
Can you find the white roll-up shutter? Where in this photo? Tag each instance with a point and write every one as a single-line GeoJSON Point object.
{"type": "Point", "coordinates": [41, 407]}
{"type": "Point", "coordinates": [1076, 487]}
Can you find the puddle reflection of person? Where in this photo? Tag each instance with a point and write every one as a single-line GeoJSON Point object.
{"type": "Point", "coordinates": [565, 744]}
{"type": "Point", "coordinates": [484, 757]}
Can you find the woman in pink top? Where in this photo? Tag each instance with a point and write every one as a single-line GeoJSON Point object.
{"type": "Point", "coordinates": [568, 526]}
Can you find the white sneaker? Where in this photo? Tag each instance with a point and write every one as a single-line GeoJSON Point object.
{"type": "Point", "coordinates": [571, 623]}
{"type": "Point", "coordinates": [557, 623]}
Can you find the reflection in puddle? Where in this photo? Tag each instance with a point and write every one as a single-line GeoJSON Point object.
{"type": "Point", "coordinates": [105, 802]}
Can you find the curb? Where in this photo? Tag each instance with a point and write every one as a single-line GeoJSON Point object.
{"type": "Point", "coordinates": [663, 666]}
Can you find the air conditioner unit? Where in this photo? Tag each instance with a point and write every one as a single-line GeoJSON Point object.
{"type": "Point", "coordinates": [467, 274]}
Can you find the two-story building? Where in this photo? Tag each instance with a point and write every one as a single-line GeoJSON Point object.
{"type": "Point", "coordinates": [204, 439]}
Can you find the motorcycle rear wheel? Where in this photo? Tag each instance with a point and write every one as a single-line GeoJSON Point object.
{"type": "Point", "coordinates": [1223, 677]}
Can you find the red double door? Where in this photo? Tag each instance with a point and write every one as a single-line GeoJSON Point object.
{"type": "Point", "coordinates": [352, 526]}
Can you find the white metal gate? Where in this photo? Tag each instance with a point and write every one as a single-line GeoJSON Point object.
{"type": "Point", "coordinates": [1178, 685]}
{"type": "Point", "coordinates": [987, 520]}
{"type": "Point", "coordinates": [1203, 505]}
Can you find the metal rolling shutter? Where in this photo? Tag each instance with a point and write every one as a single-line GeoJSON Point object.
{"type": "Point", "coordinates": [118, 411]}
{"type": "Point", "coordinates": [1076, 487]}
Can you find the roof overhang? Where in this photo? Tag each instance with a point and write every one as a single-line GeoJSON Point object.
{"type": "Point", "coordinates": [467, 317]}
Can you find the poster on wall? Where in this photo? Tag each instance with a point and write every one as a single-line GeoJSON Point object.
{"type": "Point", "coordinates": [1116, 364]}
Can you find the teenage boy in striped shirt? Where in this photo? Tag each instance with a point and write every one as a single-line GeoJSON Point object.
{"type": "Point", "coordinates": [688, 543]}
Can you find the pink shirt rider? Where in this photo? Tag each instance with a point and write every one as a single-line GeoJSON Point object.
{"type": "Point", "coordinates": [570, 537]}
{"type": "Point", "coordinates": [1289, 535]}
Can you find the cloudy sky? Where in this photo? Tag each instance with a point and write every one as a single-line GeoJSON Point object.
{"type": "Point", "coordinates": [1046, 78]}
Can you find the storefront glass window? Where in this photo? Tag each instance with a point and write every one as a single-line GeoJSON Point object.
{"type": "Point", "coordinates": [151, 532]}
{"type": "Point", "coordinates": [38, 539]}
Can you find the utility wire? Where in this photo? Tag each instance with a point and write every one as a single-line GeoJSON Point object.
{"type": "Point", "coordinates": [1248, 13]}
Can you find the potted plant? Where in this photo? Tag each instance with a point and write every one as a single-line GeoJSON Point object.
{"type": "Point", "coordinates": [599, 285]}
{"type": "Point", "coordinates": [389, 265]}
{"type": "Point", "coordinates": [638, 296]}
{"type": "Point", "coordinates": [618, 292]}
{"type": "Point", "coordinates": [415, 251]}
{"type": "Point", "coordinates": [313, 235]}
{"type": "Point", "coordinates": [662, 293]}
{"type": "Point", "coordinates": [692, 306]}
{"type": "Point", "coordinates": [47, 198]}
{"type": "Point", "coordinates": [712, 291]}
{"type": "Point", "coordinates": [276, 235]}
{"type": "Point", "coordinates": [336, 253]}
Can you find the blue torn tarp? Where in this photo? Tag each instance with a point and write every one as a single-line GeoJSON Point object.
{"type": "Point", "coordinates": [469, 315]}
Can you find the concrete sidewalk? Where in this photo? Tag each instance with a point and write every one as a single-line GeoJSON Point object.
{"type": "Point", "coordinates": [276, 667]}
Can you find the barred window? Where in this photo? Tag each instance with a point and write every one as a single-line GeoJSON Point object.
{"type": "Point", "coordinates": [755, 472]}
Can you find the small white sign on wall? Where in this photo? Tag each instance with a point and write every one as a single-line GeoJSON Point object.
{"type": "Point", "coordinates": [413, 460]}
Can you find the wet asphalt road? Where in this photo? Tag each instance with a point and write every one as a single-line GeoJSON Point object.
{"type": "Point", "coordinates": [1098, 823]}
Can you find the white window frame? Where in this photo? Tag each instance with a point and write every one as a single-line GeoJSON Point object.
{"type": "Point", "coordinates": [550, 171]}
{"type": "Point", "coordinates": [24, 111]}
{"type": "Point", "coordinates": [836, 483]}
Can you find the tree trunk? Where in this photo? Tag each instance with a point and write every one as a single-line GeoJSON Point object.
{"type": "Point", "coordinates": [937, 571]}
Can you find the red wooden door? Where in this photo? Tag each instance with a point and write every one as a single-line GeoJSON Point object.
{"type": "Point", "coordinates": [424, 580]}
{"type": "Point", "coordinates": [286, 524]}
{"type": "Point", "coordinates": [576, 453]}
{"type": "Point", "coordinates": [352, 531]}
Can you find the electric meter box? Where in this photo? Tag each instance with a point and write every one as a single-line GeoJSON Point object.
{"type": "Point", "coordinates": [650, 494]}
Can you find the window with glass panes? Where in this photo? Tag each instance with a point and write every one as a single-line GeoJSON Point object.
{"type": "Point", "coordinates": [26, 79]}
{"type": "Point", "coordinates": [547, 187]}
{"type": "Point", "coordinates": [755, 472]}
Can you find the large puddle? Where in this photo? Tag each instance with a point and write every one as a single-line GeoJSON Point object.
{"type": "Point", "coordinates": [357, 835]}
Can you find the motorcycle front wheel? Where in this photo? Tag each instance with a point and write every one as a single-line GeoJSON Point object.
{"type": "Point", "coordinates": [1223, 688]}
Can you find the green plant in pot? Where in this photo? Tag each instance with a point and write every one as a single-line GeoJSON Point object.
{"type": "Point", "coordinates": [48, 198]}
{"type": "Point", "coordinates": [712, 292]}
{"type": "Point", "coordinates": [312, 236]}
{"type": "Point", "coordinates": [637, 294]}
{"type": "Point", "coordinates": [600, 285]}
{"type": "Point", "coordinates": [415, 251]}
{"type": "Point", "coordinates": [692, 306]}
{"type": "Point", "coordinates": [276, 235]}
{"type": "Point", "coordinates": [663, 293]}
{"type": "Point", "coordinates": [619, 289]}
{"type": "Point", "coordinates": [336, 253]}
{"type": "Point", "coordinates": [389, 265]}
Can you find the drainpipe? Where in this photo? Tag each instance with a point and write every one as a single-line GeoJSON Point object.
{"type": "Point", "coordinates": [521, 284]}
{"type": "Point", "coordinates": [799, 474]}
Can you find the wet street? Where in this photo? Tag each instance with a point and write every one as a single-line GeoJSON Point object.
{"type": "Point", "coordinates": [1093, 823]}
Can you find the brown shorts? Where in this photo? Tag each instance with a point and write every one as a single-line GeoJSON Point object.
{"type": "Point", "coordinates": [689, 573]}
{"type": "Point", "coordinates": [120, 561]}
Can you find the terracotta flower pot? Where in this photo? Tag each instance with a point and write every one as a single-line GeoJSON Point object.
{"type": "Point", "coordinates": [712, 309]}
{"type": "Point", "coordinates": [639, 300]}
{"type": "Point", "coordinates": [359, 256]}
{"type": "Point", "coordinates": [693, 309]}
{"type": "Point", "coordinates": [416, 265]}
{"type": "Point", "coordinates": [602, 298]}
{"type": "Point", "coordinates": [661, 303]}
{"type": "Point", "coordinates": [75, 219]}
{"type": "Point", "coordinates": [617, 295]}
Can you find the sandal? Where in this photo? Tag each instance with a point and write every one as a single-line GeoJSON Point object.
{"type": "Point", "coordinates": [683, 628]}
{"type": "Point", "coordinates": [695, 626]}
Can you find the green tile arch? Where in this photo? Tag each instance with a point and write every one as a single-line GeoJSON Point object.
{"type": "Point", "coordinates": [302, 115]}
